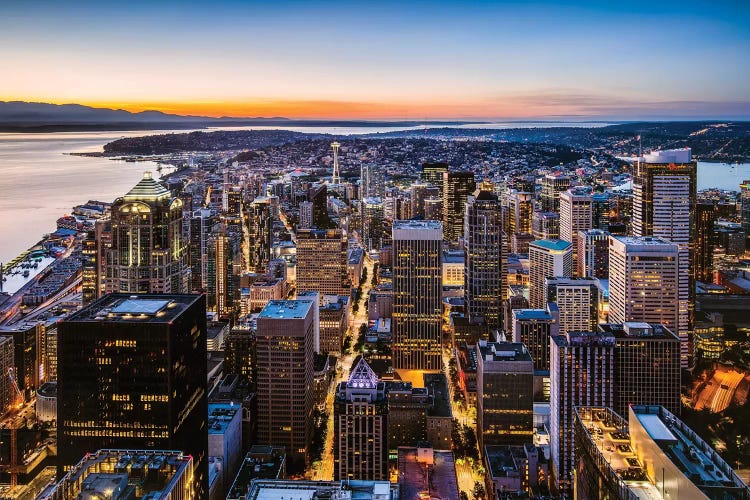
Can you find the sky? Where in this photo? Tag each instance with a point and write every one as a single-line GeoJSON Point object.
{"type": "Point", "coordinates": [416, 60]}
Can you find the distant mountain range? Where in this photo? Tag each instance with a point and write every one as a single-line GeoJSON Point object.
{"type": "Point", "coordinates": [21, 116]}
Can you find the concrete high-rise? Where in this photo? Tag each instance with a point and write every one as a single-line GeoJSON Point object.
{"type": "Point", "coordinates": [132, 375]}
{"type": "Point", "coordinates": [575, 216]}
{"type": "Point", "coordinates": [457, 186]}
{"type": "Point", "coordinates": [593, 254]}
{"type": "Point", "coordinates": [419, 192]}
{"type": "Point", "coordinates": [577, 302]}
{"type": "Point", "coordinates": [483, 241]}
{"type": "Point", "coordinates": [148, 253]}
{"type": "Point", "coordinates": [644, 281]}
{"type": "Point", "coordinates": [372, 181]}
{"type": "Point", "coordinates": [664, 198]}
{"type": "Point", "coordinates": [417, 295]}
{"type": "Point", "coordinates": [581, 374]}
{"type": "Point", "coordinates": [547, 259]}
{"type": "Point", "coordinates": [360, 413]}
{"type": "Point", "coordinates": [647, 366]}
{"type": "Point", "coordinates": [505, 393]}
{"type": "Point", "coordinates": [284, 376]}
{"type": "Point", "coordinates": [520, 206]}
{"type": "Point", "coordinates": [545, 225]}
{"type": "Point", "coordinates": [552, 186]}
{"type": "Point", "coordinates": [322, 263]}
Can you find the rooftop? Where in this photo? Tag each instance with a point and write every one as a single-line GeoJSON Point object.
{"type": "Point", "coordinates": [531, 314]}
{"type": "Point", "coordinates": [415, 482]}
{"type": "Point", "coordinates": [580, 339]}
{"type": "Point", "coordinates": [319, 490]}
{"type": "Point", "coordinates": [653, 242]}
{"type": "Point", "coordinates": [261, 462]}
{"type": "Point", "coordinates": [417, 224]}
{"type": "Point", "coordinates": [147, 189]}
{"type": "Point", "coordinates": [638, 329]}
{"type": "Point", "coordinates": [683, 155]}
{"type": "Point", "coordinates": [554, 245]}
{"type": "Point", "coordinates": [220, 415]}
{"type": "Point", "coordinates": [286, 309]}
{"type": "Point", "coordinates": [504, 351]}
{"type": "Point", "coordinates": [155, 308]}
{"type": "Point", "coordinates": [47, 390]}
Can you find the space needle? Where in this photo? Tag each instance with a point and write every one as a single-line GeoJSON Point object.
{"type": "Point", "coordinates": [335, 179]}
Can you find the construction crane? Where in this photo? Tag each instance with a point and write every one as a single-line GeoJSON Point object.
{"type": "Point", "coordinates": [18, 400]}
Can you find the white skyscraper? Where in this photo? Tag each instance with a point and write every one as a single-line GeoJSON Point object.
{"type": "Point", "coordinates": [643, 280]}
{"type": "Point", "coordinates": [577, 302]}
{"type": "Point", "coordinates": [547, 259]}
{"type": "Point", "coordinates": [575, 215]}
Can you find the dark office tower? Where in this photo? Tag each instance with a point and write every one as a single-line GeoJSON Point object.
{"type": "Point", "coordinates": [284, 376]}
{"type": "Point", "coordinates": [202, 222]}
{"type": "Point", "coordinates": [593, 254]}
{"type": "Point", "coordinates": [373, 228]}
{"type": "Point", "coordinates": [89, 268]}
{"type": "Point", "coordinates": [322, 263]}
{"type": "Point", "coordinates": [148, 254]}
{"type": "Point", "coordinates": [577, 301]}
{"type": "Point", "coordinates": [483, 241]}
{"type": "Point", "coordinates": [360, 430]}
{"type": "Point", "coordinates": [223, 252]}
{"type": "Point", "coordinates": [552, 186]}
{"type": "Point", "coordinates": [581, 374]}
{"type": "Point", "coordinates": [600, 211]}
{"type": "Point", "coordinates": [533, 328]}
{"type": "Point", "coordinates": [432, 173]}
{"type": "Point", "coordinates": [664, 196]}
{"type": "Point", "coordinates": [457, 186]}
{"type": "Point", "coordinates": [259, 229]}
{"type": "Point", "coordinates": [505, 394]}
{"type": "Point", "coordinates": [132, 375]}
{"type": "Point", "coordinates": [239, 352]}
{"type": "Point", "coordinates": [419, 192]}
{"type": "Point", "coordinates": [234, 201]}
{"type": "Point", "coordinates": [318, 196]}
{"type": "Point", "coordinates": [417, 295]}
{"type": "Point", "coordinates": [647, 366]}
{"type": "Point", "coordinates": [705, 216]}
{"type": "Point", "coordinates": [745, 210]}
{"type": "Point", "coordinates": [545, 225]}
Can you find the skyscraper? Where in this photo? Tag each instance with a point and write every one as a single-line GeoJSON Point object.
{"type": "Point", "coordinates": [505, 393]}
{"type": "Point", "coordinates": [457, 186]}
{"type": "Point", "coordinates": [705, 217]}
{"type": "Point", "coordinates": [600, 211]}
{"type": "Point", "coordinates": [545, 225]}
{"type": "Point", "coordinates": [373, 228]}
{"type": "Point", "coordinates": [593, 254]}
{"type": "Point", "coordinates": [284, 375]}
{"type": "Point", "coordinates": [664, 197]}
{"type": "Point", "coordinates": [534, 328]}
{"type": "Point", "coordinates": [259, 228]}
{"type": "Point", "coordinates": [419, 192]}
{"type": "Point", "coordinates": [581, 374]}
{"type": "Point", "coordinates": [132, 375]}
{"type": "Point", "coordinates": [322, 262]}
{"type": "Point", "coordinates": [483, 241]}
{"type": "Point", "coordinates": [547, 258]}
{"type": "Point", "coordinates": [745, 210]}
{"type": "Point", "coordinates": [417, 295]}
{"type": "Point", "coordinates": [644, 281]}
{"type": "Point", "coordinates": [552, 185]}
{"type": "Point", "coordinates": [575, 215]}
{"type": "Point", "coordinates": [577, 302]}
{"type": "Point", "coordinates": [202, 223]}
{"type": "Point", "coordinates": [148, 253]}
{"type": "Point", "coordinates": [520, 209]}
{"type": "Point", "coordinates": [647, 366]}
{"type": "Point", "coordinates": [360, 427]}
{"type": "Point", "coordinates": [372, 179]}
{"type": "Point", "coordinates": [432, 173]}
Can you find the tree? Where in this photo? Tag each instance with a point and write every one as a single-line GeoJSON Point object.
{"type": "Point", "coordinates": [463, 495]}
{"type": "Point", "coordinates": [478, 490]}
{"type": "Point", "coordinates": [364, 276]}
{"type": "Point", "coordinates": [361, 338]}
{"type": "Point", "coordinates": [374, 274]}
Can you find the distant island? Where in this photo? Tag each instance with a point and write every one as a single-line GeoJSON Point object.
{"type": "Point", "coordinates": [710, 141]}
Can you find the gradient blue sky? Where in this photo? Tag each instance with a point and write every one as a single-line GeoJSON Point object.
{"type": "Point", "coordinates": [624, 60]}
